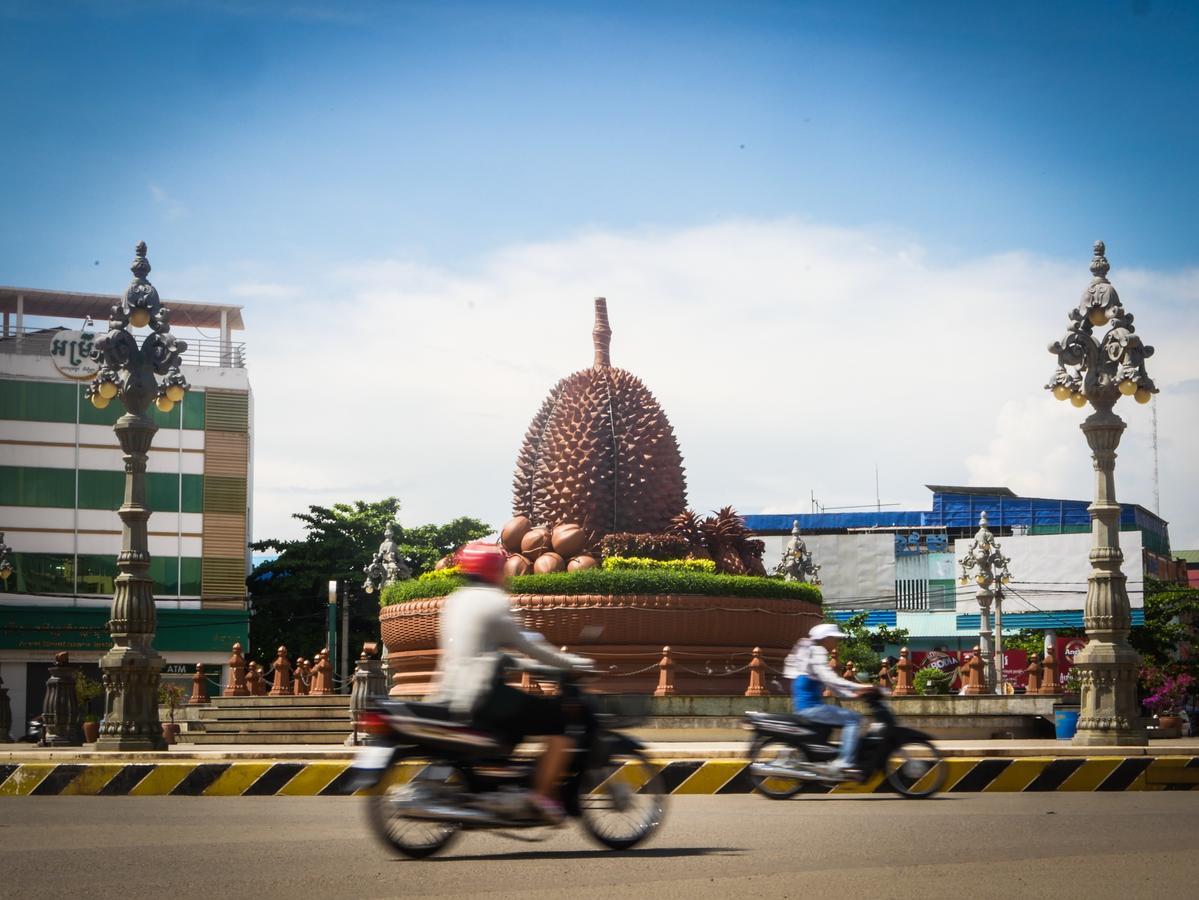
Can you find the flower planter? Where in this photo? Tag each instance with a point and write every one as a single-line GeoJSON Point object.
{"type": "Point", "coordinates": [91, 732]}
{"type": "Point", "coordinates": [711, 638]}
{"type": "Point", "coordinates": [169, 732]}
{"type": "Point", "coordinates": [1169, 727]}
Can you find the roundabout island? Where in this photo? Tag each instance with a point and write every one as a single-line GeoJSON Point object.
{"type": "Point", "coordinates": [606, 559]}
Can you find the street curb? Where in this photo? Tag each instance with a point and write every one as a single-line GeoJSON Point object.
{"type": "Point", "coordinates": [300, 778]}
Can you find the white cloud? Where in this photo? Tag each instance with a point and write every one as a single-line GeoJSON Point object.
{"type": "Point", "coordinates": [790, 357]}
{"type": "Point", "coordinates": [171, 208]}
{"type": "Point", "coordinates": [263, 290]}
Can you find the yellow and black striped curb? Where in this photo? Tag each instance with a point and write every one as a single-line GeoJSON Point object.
{"type": "Point", "coordinates": [716, 776]}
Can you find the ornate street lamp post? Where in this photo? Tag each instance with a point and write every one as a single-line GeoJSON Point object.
{"type": "Point", "coordinates": [131, 669]}
{"type": "Point", "coordinates": [984, 556]}
{"type": "Point", "coordinates": [797, 563]}
{"type": "Point", "coordinates": [1099, 371]}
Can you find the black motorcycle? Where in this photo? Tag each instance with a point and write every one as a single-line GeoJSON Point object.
{"type": "Point", "coordinates": [788, 751]}
{"type": "Point", "coordinates": [467, 779]}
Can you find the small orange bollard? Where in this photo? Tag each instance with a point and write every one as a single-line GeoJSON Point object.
{"type": "Point", "coordinates": [884, 676]}
{"type": "Point", "coordinates": [665, 686]}
{"type": "Point", "coordinates": [199, 688]}
{"type": "Point", "coordinates": [903, 675]}
{"type": "Point", "coordinates": [757, 683]}
{"type": "Point", "coordinates": [282, 668]}
{"type": "Point", "coordinates": [1034, 676]}
{"type": "Point", "coordinates": [299, 686]}
{"type": "Point", "coordinates": [1049, 683]}
{"type": "Point", "coordinates": [322, 680]}
{"type": "Point", "coordinates": [976, 682]}
{"type": "Point", "coordinates": [237, 674]}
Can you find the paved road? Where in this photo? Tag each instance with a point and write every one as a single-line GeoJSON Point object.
{"type": "Point", "coordinates": [970, 846]}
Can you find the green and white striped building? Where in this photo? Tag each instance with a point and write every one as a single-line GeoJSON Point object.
{"type": "Point", "coordinates": [62, 479]}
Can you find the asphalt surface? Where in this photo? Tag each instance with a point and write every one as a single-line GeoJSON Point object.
{"type": "Point", "coordinates": [1056, 845]}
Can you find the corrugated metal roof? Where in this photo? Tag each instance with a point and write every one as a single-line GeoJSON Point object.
{"type": "Point", "coordinates": [966, 489]}
{"type": "Point", "coordinates": [874, 618]}
{"type": "Point", "coordinates": [1191, 556]}
{"type": "Point", "coordinates": [76, 305]}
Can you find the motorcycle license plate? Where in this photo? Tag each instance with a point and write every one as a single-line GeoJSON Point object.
{"type": "Point", "coordinates": [373, 758]}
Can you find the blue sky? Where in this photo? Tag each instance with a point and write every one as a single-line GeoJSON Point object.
{"type": "Point", "coordinates": [922, 163]}
{"type": "Point", "coordinates": [295, 132]}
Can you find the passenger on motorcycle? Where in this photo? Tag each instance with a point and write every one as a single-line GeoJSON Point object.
{"type": "Point", "coordinates": [808, 667]}
{"type": "Point", "coordinates": [476, 624]}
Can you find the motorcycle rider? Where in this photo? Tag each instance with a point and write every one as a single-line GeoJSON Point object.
{"type": "Point", "coordinates": [808, 667]}
{"type": "Point", "coordinates": [476, 624]}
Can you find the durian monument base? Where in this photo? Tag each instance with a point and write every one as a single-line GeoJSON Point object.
{"type": "Point", "coordinates": [711, 639]}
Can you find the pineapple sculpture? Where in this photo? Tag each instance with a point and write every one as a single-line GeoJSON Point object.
{"type": "Point", "coordinates": [600, 453]}
{"type": "Point", "coordinates": [722, 538]}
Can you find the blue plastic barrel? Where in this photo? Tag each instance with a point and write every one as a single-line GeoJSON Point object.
{"type": "Point", "coordinates": [1065, 722]}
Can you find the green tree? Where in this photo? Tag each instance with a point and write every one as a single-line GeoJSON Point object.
{"type": "Point", "coordinates": [290, 592]}
{"type": "Point", "coordinates": [864, 646]}
{"type": "Point", "coordinates": [1171, 611]}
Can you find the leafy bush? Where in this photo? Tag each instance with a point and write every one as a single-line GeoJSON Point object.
{"type": "Point", "coordinates": [930, 681]}
{"type": "Point", "coordinates": [648, 546]}
{"type": "Point", "coordinates": [419, 589]}
{"type": "Point", "coordinates": [437, 574]}
{"type": "Point", "coordinates": [642, 562]}
{"type": "Point", "coordinates": [620, 581]}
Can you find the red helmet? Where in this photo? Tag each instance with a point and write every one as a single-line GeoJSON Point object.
{"type": "Point", "coordinates": [482, 560]}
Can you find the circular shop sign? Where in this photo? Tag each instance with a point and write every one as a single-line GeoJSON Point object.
{"type": "Point", "coordinates": [71, 352]}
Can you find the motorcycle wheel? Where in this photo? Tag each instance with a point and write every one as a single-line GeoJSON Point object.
{"type": "Point", "coordinates": [414, 838]}
{"type": "Point", "coordinates": [772, 751]}
{"type": "Point", "coordinates": [623, 801]}
{"type": "Point", "coordinates": [915, 769]}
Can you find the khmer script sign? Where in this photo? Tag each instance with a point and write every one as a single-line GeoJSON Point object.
{"type": "Point", "coordinates": [71, 352]}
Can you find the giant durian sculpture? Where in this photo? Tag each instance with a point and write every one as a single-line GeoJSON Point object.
{"type": "Point", "coordinates": [600, 453]}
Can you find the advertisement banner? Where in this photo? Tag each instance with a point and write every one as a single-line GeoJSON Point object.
{"type": "Point", "coordinates": [1066, 649]}
{"type": "Point", "coordinates": [943, 660]}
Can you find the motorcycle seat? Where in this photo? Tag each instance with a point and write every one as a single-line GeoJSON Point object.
{"type": "Point", "coordinates": [788, 723]}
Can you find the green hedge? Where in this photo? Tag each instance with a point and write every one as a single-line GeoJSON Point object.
{"type": "Point", "coordinates": [642, 562]}
{"type": "Point", "coordinates": [621, 581]}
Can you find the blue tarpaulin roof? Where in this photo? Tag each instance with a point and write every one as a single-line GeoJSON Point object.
{"type": "Point", "coordinates": [961, 509]}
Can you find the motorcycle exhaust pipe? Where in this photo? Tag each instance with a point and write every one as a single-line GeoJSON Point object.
{"type": "Point", "coordinates": [461, 815]}
{"type": "Point", "coordinates": [765, 770]}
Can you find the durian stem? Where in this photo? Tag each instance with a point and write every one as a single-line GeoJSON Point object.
{"type": "Point", "coordinates": [602, 334]}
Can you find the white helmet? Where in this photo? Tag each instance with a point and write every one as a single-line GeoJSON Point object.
{"type": "Point", "coordinates": [826, 630]}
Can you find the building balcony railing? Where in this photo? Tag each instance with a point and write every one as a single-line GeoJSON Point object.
{"type": "Point", "coordinates": [200, 351]}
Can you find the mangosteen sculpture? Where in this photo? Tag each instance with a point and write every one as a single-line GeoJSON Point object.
{"type": "Point", "coordinates": [600, 453]}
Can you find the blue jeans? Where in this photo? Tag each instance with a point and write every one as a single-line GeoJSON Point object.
{"type": "Point", "coordinates": [848, 720]}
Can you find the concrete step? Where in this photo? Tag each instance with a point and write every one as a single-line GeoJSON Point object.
{"type": "Point", "coordinates": [268, 701]}
{"type": "Point", "coordinates": [210, 714]}
{"type": "Point", "coordinates": [248, 726]}
{"type": "Point", "coordinates": [288, 737]}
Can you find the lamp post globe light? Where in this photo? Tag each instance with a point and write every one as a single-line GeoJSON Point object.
{"type": "Point", "coordinates": [987, 566]}
{"type": "Point", "coordinates": [1099, 371]}
{"type": "Point", "coordinates": [130, 372]}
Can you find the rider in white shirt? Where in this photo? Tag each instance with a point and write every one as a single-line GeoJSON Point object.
{"type": "Point", "coordinates": [808, 667]}
{"type": "Point", "coordinates": [476, 624]}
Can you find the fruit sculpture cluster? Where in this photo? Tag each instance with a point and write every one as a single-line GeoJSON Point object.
{"type": "Point", "coordinates": [539, 550]}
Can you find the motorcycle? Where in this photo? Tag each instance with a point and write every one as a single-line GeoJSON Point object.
{"type": "Point", "coordinates": [788, 751]}
{"type": "Point", "coordinates": [470, 781]}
